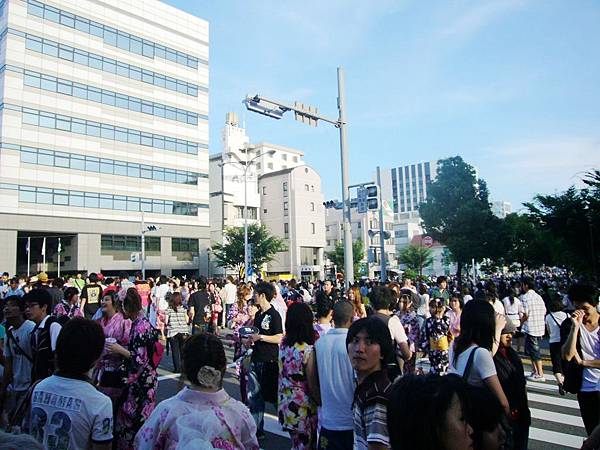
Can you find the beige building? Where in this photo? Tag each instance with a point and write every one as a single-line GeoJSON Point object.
{"type": "Point", "coordinates": [292, 208]}
{"type": "Point", "coordinates": [104, 119]}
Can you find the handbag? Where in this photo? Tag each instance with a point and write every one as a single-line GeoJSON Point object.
{"type": "Point", "coordinates": [572, 371]}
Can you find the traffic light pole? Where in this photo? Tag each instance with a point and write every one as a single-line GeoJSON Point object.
{"type": "Point", "coordinates": [383, 265]}
{"type": "Point", "coordinates": [143, 248]}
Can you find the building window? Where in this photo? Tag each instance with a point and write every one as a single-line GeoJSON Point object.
{"type": "Point", "coordinates": [312, 206]}
{"type": "Point", "coordinates": [184, 245]}
{"type": "Point", "coordinates": [264, 190]}
{"type": "Point", "coordinates": [312, 188]}
{"type": "Point", "coordinates": [285, 189]}
{"type": "Point", "coordinates": [295, 159]}
{"type": "Point", "coordinates": [306, 187]}
{"type": "Point", "coordinates": [286, 230]}
{"type": "Point", "coordinates": [109, 242]}
{"type": "Point", "coordinates": [264, 211]}
{"type": "Point", "coordinates": [116, 38]}
{"type": "Point", "coordinates": [104, 64]}
{"type": "Point", "coordinates": [309, 256]}
{"type": "Point", "coordinates": [270, 165]}
{"type": "Point", "coordinates": [87, 127]}
{"type": "Point", "coordinates": [257, 166]}
{"type": "Point", "coordinates": [326, 228]}
{"type": "Point", "coordinates": [312, 228]}
{"type": "Point", "coordinates": [284, 156]}
{"type": "Point", "coordinates": [285, 208]}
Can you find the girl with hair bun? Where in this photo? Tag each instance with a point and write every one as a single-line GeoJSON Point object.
{"type": "Point", "coordinates": [202, 415]}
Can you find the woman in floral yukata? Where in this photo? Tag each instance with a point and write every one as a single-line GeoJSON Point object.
{"type": "Point", "coordinates": [141, 382]}
{"type": "Point", "coordinates": [69, 305]}
{"type": "Point", "coordinates": [410, 322]}
{"type": "Point", "coordinates": [297, 411]}
{"type": "Point", "coordinates": [202, 415]}
{"type": "Point", "coordinates": [437, 338]}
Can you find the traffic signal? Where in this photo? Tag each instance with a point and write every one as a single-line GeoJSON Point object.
{"type": "Point", "coordinates": [152, 228]}
{"type": "Point", "coordinates": [330, 204]}
{"type": "Point", "coordinates": [372, 202]}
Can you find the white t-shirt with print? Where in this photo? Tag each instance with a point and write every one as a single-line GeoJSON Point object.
{"type": "Point", "coordinates": [70, 414]}
{"type": "Point", "coordinates": [553, 326]}
{"type": "Point", "coordinates": [482, 368]}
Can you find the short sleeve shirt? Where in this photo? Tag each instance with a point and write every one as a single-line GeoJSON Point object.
{"type": "Point", "coordinates": [70, 413]}
{"type": "Point", "coordinates": [91, 293]}
{"type": "Point", "coordinates": [19, 350]}
{"type": "Point", "coordinates": [200, 301]}
{"type": "Point", "coordinates": [370, 411]}
{"type": "Point", "coordinates": [482, 368]}
{"type": "Point", "coordinates": [268, 324]}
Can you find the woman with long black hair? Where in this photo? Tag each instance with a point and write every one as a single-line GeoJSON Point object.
{"type": "Point", "coordinates": [472, 352]}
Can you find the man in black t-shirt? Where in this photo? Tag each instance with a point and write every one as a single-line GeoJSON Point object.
{"type": "Point", "coordinates": [265, 354]}
{"type": "Point", "coordinates": [199, 312]}
{"type": "Point", "coordinates": [90, 296]}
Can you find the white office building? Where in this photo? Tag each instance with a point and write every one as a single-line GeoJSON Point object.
{"type": "Point", "coordinates": [501, 208]}
{"type": "Point", "coordinates": [104, 119]}
{"type": "Point", "coordinates": [292, 208]}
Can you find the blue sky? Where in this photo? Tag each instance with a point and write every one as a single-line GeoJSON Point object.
{"type": "Point", "coordinates": [509, 85]}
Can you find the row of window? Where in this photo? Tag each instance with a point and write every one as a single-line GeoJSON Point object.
{"type": "Point", "coordinates": [44, 157]}
{"type": "Point", "coordinates": [95, 61]}
{"type": "Point", "coordinates": [252, 212]}
{"type": "Point", "coordinates": [111, 98]}
{"type": "Point", "coordinates": [105, 131]}
{"type": "Point", "coordinates": [129, 243]}
{"type": "Point", "coordinates": [111, 36]}
{"type": "Point", "coordinates": [62, 197]}
{"type": "Point", "coordinates": [184, 245]}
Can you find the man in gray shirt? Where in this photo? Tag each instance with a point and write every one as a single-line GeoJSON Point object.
{"type": "Point", "coordinates": [331, 382]}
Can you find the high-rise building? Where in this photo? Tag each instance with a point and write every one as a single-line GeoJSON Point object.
{"type": "Point", "coordinates": [104, 122]}
{"type": "Point", "coordinates": [409, 185]}
{"type": "Point", "coordinates": [501, 208]}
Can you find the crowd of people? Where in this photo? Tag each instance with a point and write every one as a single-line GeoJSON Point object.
{"type": "Point", "coordinates": [397, 365]}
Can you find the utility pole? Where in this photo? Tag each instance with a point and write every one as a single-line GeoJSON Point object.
{"type": "Point", "coordinates": [143, 248]}
{"type": "Point", "coordinates": [381, 230]}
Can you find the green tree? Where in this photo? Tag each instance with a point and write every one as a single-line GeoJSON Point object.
{"type": "Point", "coordinates": [337, 255]}
{"type": "Point", "coordinates": [265, 246]}
{"type": "Point", "coordinates": [527, 242]}
{"type": "Point", "coordinates": [572, 221]}
{"type": "Point", "coordinates": [416, 257]}
{"type": "Point", "coordinates": [457, 213]}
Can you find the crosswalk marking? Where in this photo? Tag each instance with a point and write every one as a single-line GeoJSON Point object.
{"type": "Point", "coordinates": [556, 401]}
{"type": "Point", "coordinates": [551, 416]}
{"type": "Point", "coordinates": [553, 437]}
{"type": "Point", "coordinates": [542, 386]}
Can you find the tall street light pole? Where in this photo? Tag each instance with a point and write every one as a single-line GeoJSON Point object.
{"type": "Point", "coordinates": [246, 164]}
{"type": "Point", "coordinates": [308, 114]}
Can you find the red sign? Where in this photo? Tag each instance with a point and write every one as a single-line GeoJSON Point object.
{"type": "Point", "coordinates": [427, 241]}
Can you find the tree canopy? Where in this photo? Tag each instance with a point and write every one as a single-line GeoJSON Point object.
{"type": "Point", "coordinates": [265, 246]}
{"type": "Point", "coordinates": [337, 255]}
{"type": "Point", "coordinates": [416, 257]}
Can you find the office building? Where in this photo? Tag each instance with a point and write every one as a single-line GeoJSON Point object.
{"type": "Point", "coordinates": [104, 122]}
{"type": "Point", "coordinates": [292, 208]}
{"type": "Point", "coordinates": [501, 208]}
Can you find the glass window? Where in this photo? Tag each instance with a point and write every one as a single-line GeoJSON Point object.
{"type": "Point", "coordinates": [170, 175]}
{"type": "Point", "coordinates": [171, 55]}
{"type": "Point", "coordinates": [133, 170]}
{"type": "Point", "coordinates": [108, 98]}
{"type": "Point", "coordinates": [49, 48]}
{"type": "Point", "coordinates": [106, 201]}
{"type": "Point", "coordinates": [47, 120]}
{"type": "Point", "coordinates": [44, 196]}
{"type": "Point", "coordinates": [133, 204]}
{"type": "Point", "coordinates": [78, 126]}
{"type": "Point", "coordinates": [147, 49]}
{"type": "Point", "coordinates": [159, 110]}
{"type": "Point", "coordinates": [158, 173]}
{"type": "Point", "coordinates": [181, 59]}
{"type": "Point", "coordinates": [171, 84]}
{"type": "Point", "coordinates": [146, 205]}
{"type": "Point", "coordinates": [46, 158]}
{"type": "Point", "coordinates": [110, 36]}
{"type": "Point", "coordinates": [122, 70]}
{"type": "Point", "coordinates": [160, 51]}
{"type": "Point", "coordinates": [121, 134]}
{"type": "Point", "coordinates": [123, 41]}
{"type": "Point", "coordinates": [122, 101]}
{"type": "Point", "coordinates": [96, 29]}
{"type": "Point", "coordinates": [107, 132]}
{"type": "Point", "coordinates": [120, 202]}
{"type": "Point", "coordinates": [61, 197]}
{"type": "Point", "coordinates": [92, 129]}
{"type": "Point", "coordinates": [63, 123]}
{"type": "Point", "coordinates": [146, 171]}
{"type": "Point", "coordinates": [65, 88]}
{"type": "Point", "coordinates": [27, 194]}
{"type": "Point", "coordinates": [95, 62]}
{"type": "Point", "coordinates": [135, 45]}
{"type": "Point", "coordinates": [134, 137]}
{"type": "Point", "coordinates": [147, 77]}
{"type": "Point", "coordinates": [76, 198]}
{"type": "Point", "coordinates": [34, 44]}
{"type": "Point", "coordinates": [94, 95]}
{"type": "Point", "coordinates": [158, 141]}
{"type": "Point", "coordinates": [31, 118]}
{"type": "Point", "coordinates": [82, 24]}
{"type": "Point", "coordinates": [77, 162]}
{"type": "Point", "coordinates": [92, 164]}
{"type": "Point", "coordinates": [29, 156]}
{"type": "Point", "coordinates": [35, 8]}
{"type": "Point", "coordinates": [171, 113]}
{"type": "Point", "coordinates": [160, 80]}
{"type": "Point", "coordinates": [80, 92]}
{"type": "Point", "coordinates": [29, 79]}
{"type": "Point", "coordinates": [48, 83]}
{"type": "Point", "coordinates": [61, 159]}
{"type": "Point", "coordinates": [135, 104]}
{"type": "Point", "coordinates": [109, 65]}
{"type": "Point", "coordinates": [146, 139]}
{"type": "Point", "coordinates": [51, 14]}
{"type": "Point", "coordinates": [106, 166]}
{"type": "Point", "coordinates": [120, 168]}
{"type": "Point", "coordinates": [135, 73]}
{"type": "Point", "coordinates": [147, 107]}
{"type": "Point", "coordinates": [67, 19]}
{"type": "Point", "coordinates": [158, 206]}
{"type": "Point", "coordinates": [171, 144]}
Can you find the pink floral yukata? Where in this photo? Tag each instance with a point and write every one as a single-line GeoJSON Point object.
{"type": "Point", "coordinates": [194, 419]}
{"type": "Point", "coordinates": [141, 383]}
{"type": "Point", "coordinates": [297, 411]}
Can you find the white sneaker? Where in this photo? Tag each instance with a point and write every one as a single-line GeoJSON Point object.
{"type": "Point", "coordinates": [536, 377]}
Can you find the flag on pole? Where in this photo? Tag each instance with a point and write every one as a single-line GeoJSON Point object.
{"type": "Point", "coordinates": [27, 245]}
{"type": "Point", "coordinates": [44, 247]}
{"type": "Point", "coordinates": [59, 246]}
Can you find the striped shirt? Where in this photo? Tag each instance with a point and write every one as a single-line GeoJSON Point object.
{"type": "Point", "coordinates": [370, 411]}
{"type": "Point", "coordinates": [177, 321]}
